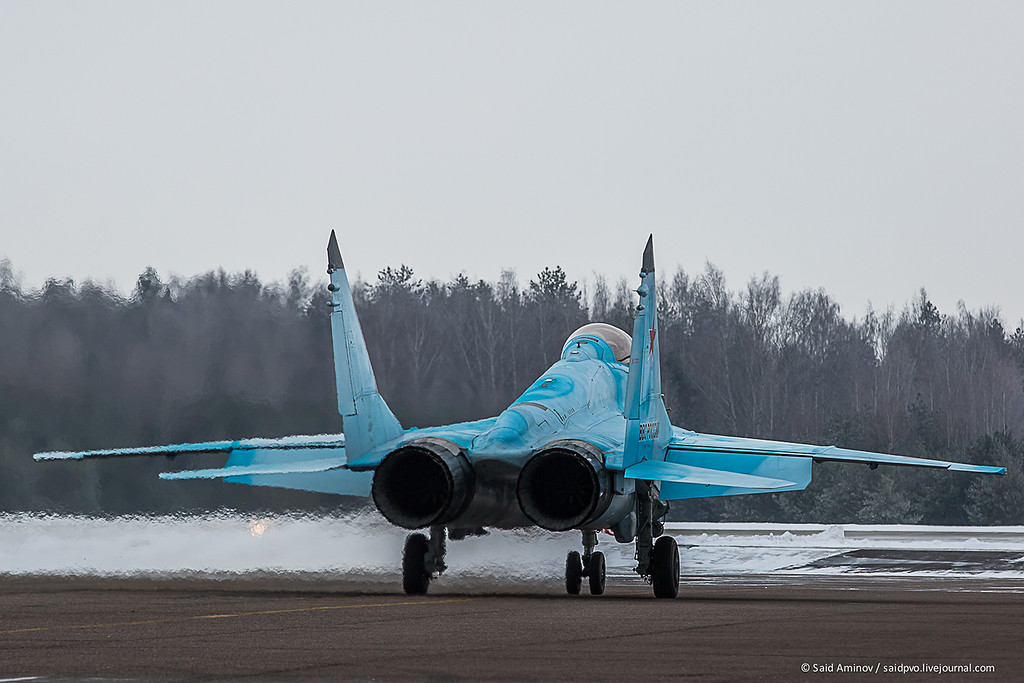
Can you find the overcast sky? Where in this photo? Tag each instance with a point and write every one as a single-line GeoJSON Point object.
{"type": "Point", "coordinates": [869, 148]}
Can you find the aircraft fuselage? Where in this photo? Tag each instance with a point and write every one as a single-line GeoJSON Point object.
{"type": "Point", "coordinates": [571, 415]}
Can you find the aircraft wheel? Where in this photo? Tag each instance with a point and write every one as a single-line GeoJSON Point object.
{"type": "Point", "coordinates": [415, 577]}
{"type": "Point", "coordinates": [596, 573]}
{"type": "Point", "coordinates": [665, 568]}
{"type": "Point", "coordinates": [573, 573]}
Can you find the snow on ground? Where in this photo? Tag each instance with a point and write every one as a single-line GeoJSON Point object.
{"type": "Point", "coordinates": [364, 543]}
{"type": "Point", "coordinates": [779, 548]}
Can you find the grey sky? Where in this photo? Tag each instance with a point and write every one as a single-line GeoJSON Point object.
{"type": "Point", "coordinates": [869, 148]}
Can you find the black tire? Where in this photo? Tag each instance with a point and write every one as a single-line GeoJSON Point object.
{"type": "Point", "coordinates": [665, 568]}
{"type": "Point", "coordinates": [596, 573]}
{"type": "Point", "coordinates": [573, 573]}
{"type": "Point", "coordinates": [415, 577]}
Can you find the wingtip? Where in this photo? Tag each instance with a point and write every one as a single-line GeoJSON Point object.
{"type": "Point", "coordinates": [334, 261]}
{"type": "Point", "coordinates": [648, 265]}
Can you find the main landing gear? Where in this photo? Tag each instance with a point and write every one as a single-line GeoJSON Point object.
{"type": "Point", "coordinates": [423, 560]}
{"type": "Point", "coordinates": [664, 568]}
{"type": "Point", "coordinates": [658, 562]}
{"type": "Point", "coordinates": [590, 565]}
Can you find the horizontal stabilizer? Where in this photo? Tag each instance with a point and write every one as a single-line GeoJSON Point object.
{"type": "Point", "coordinates": [240, 470]}
{"type": "Point", "coordinates": [659, 470]}
{"type": "Point", "coordinates": [286, 443]}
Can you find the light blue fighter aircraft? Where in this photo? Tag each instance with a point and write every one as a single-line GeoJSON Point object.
{"type": "Point", "coordinates": [588, 446]}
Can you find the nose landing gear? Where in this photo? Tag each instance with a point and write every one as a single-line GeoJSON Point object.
{"type": "Point", "coordinates": [596, 573]}
{"type": "Point", "coordinates": [590, 565]}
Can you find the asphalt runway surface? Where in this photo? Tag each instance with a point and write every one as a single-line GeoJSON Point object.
{"type": "Point", "coordinates": [307, 627]}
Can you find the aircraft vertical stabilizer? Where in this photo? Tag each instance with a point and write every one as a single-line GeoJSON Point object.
{"type": "Point", "coordinates": [366, 418]}
{"type": "Point", "coordinates": [648, 429]}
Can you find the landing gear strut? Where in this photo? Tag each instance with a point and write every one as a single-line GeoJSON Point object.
{"type": "Point", "coordinates": [421, 559]}
{"type": "Point", "coordinates": [590, 565]}
{"type": "Point", "coordinates": [656, 562]}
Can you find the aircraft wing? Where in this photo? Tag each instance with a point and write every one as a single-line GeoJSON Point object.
{"type": "Point", "coordinates": [308, 463]}
{"type": "Point", "coordinates": [694, 443]}
{"type": "Point", "coordinates": [326, 441]}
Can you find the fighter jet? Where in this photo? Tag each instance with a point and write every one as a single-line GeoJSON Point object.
{"type": "Point", "coordinates": [587, 447]}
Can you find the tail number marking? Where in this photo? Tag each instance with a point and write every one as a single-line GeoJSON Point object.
{"type": "Point", "coordinates": [648, 430]}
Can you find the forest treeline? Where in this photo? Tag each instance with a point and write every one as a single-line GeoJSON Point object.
{"type": "Point", "coordinates": [226, 356]}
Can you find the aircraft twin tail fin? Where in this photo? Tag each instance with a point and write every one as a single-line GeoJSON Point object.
{"type": "Point", "coordinates": [366, 418]}
{"type": "Point", "coordinates": [648, 429]}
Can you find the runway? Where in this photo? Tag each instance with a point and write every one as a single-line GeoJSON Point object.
{"type": "Point", "coordinates": [178, 629]}
{"type": "Point", "coordinates": [237, 599]}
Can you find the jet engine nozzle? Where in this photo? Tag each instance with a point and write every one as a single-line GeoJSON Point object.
{"type": "Point", "coordinates": [564, 486]}
{"type": "Point", "coordinates": [425, 482]}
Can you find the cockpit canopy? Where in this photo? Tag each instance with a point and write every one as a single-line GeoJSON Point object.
{"type": "Point", "coordinates": [620, 343]}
